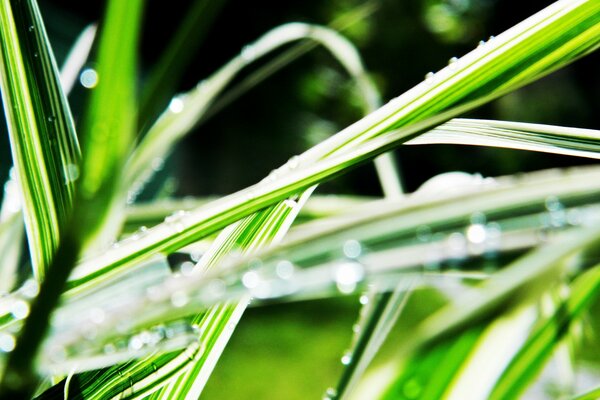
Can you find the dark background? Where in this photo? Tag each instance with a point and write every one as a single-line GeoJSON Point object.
{"type": "Point", "coordinates": [306, 101]}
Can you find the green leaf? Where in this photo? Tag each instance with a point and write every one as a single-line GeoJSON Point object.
{"type": "Point", "coordinates": [517, 285]}
{"type": "Point", "coordinates": [43, 141]}
{"type": "Point", "coordinates": [532, 356]}
{"type": "Point", "coordinates": [111, 120]}
{"type": "Point", "coordinates": [516, 135]}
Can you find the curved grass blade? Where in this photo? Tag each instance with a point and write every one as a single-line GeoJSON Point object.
{"type": "Point", "coordinates": [43, 140]}
{"type": "Point", "coordinates": [186, 110]}
{"type": "Point", "coordinates": [110, 120]}
{"type": "Point", "coordinates": [516, 135]}
{"type": "Point", "coordinates": [339, 25]}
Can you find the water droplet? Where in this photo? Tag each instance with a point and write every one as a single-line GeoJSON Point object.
{"type": "Point", "coordinates": [7, 342]}
{"type": "Point", "coordinates": [552, 203]}
{"type": "Point", "coordinates": [290, 203]}
{"type": "Point", "coordinates": [248, 53]}
{"type": "Point", "coordinates": [491, 38]}
{"type": "Point", "coordinates": [558, 216]}
{"type": "Point", "coordinates": [564, 292]}
{"type": "Point", "coordinates": [452, 62]}
{"type": "Point", "coordinates": [201, 85]}
{"type": "Point", "coordinates": [89, 78]}
{"type": "Point", "coordinates": [157, 163]}
{"type": "Point", "coordinates": [330, 394]}
{"type": "Point", "coordinates": [364, 299]}
{"type": "Point", "coordinates": [272, 177]}
{"type": "Point", "coordinates": [423, 233]}
{"type": "Point", "coordinates": [179, 299]}
{"type": "Point", "coordinates": [352, 248]}
{"type": "Point", "coordinates": [51, 119]}
{"type": "Point", "coordinates": [176, 105]}
{"type": "Point", "coordinates": [481, 43]}
{"type": "Point", "coordinates": [347, 275]}
{"type": "Point", "coordinates": [72, 173]}
{"type": "Point", "coordinates": [429, 77]}
{"type": "Point", "coordinates": [356, 328]}
{"type": "Point", "coordinates": [19, 309]}
{"type": "Point", "coordinates": [250, 279]}
{"type": "Point", "coordinates": [284, 269]}
{"type": "Point", "coordinates": [31, 28]}
{"type": "Point", "coordinates": [187, 268]}
{"type": "Point", "coordinates": [109, 348]}
{"type": "Point", "coordinates": [196, 255]}
{"type": "Point", "coordinates": [293, 162]}
{"type": "Point", "coordinates": [30, 288]}
{"type": "Point", "coordinates": [36, 55]}
{"type": "Point", "coordinates": [476, 233]}
{"type": "Point", "coordinates": [135, 343]}
{"type": "Point", "coordinates": [175, 220]}
{"type": "Point", "coordinates": [347, 358]}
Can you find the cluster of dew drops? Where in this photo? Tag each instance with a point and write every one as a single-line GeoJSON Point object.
{"type": "Point", "coordinates": [479, 238]}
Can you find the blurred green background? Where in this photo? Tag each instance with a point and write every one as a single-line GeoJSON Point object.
{"type": "Point", "coordinates": [293, 351]}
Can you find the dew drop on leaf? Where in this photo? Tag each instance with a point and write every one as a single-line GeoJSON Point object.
{"type": "Point", "coordinates": [89, 78]}
{"type": "Point", "coordinates": [293, 162]}
{"type": "Point", "coordinates": [248, 53]}
{"type": "Point", "coordinates": [7, 342]}
{"type": "Point", "coordinates": [176, 105]}
{"type": "Point", "coordinates": [346, 358]}
{"type": "Point", "coordinates": [429, 77]}
{"type": "Point", "coordinates": [352, 248]}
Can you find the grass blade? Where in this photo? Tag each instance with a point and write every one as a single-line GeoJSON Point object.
{"type": "Point", "coordinates": [532, 356]}
{"type": "Point", "coordinates": [110, 119]}
{"type": "Point", "coordinates": [43, 141]}
{"type": "Point", "coordinates": [524, 279]}
{"type": "Point", "coordinates": [77, 57]}
{"type": "Point", "coordinates": [516, 135]}
{"type": "Point", "coordinates": [186, 110]}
